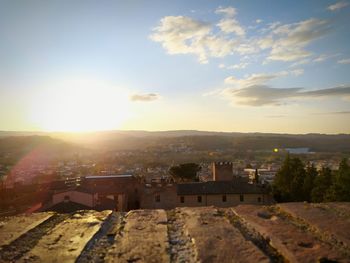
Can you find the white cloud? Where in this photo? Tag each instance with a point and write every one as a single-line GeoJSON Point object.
{"type": "Point", "coordinates": [287, 42]}
{"type": "Point", "coordinates": [337, 6]}
{"type": "Point", "coordinates": [300, 62]}
{"type": "Point", "coordinates": [260, 78]}
{"type": "Point", "coordinates": [297, 72]}
{"type": "Point", "coordinates": [228, 11]}
{"type": "Point", "coordinates": [241, 65]}
{"type": "Point", "coordinates": [254, 79]}
{"type": "Point", "coordinates": [322, 58]}
{"type": "Point", "coordinates": [258, 21]}
{"type": "Point", "coordinates": [344, 61]}
{"type": "Point", "coordinates": [283, 42]}
{"type": "Point", "coordinates": [230, 25]}
{"type": "Point", "coordinates": [144, 97]}
{"type": "Point", "coordinates": [184, 35]}
{"type": "Point", "coordinates": [263, 95]}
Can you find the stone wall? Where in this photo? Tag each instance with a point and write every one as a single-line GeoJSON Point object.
{"type": "Point", "coordinates": [86, 199]}
{"type": "Point", "coordinates": [290, 232]}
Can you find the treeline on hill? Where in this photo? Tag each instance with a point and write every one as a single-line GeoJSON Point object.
{"type": "Point", "coordinates": [295, 182]}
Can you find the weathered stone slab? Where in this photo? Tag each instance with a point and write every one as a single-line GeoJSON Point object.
{"type": "Point", "coordinates": [292, 242]}
{"type": "Point", "coordinates": [12, 228]}
{"type": "Point", "coordinates": [216, 240]}
{"type": "Point", "coordinates": [326, 221]}
{"type": "Point", "coordinates": [144, 238]}
{"type": "Point", "coordinates": [65, 241]}
{"type": "Point", "coordinates": [341, 207]}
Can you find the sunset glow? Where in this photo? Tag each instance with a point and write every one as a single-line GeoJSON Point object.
{"type": "Point", "coordinates": [79, 105]}
{"type": "Point", "coordinates": [241, 66]}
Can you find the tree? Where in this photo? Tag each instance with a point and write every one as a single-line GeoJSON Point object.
{"type": "Point", "coordinates": [280, 185]}
{"type": "Point", "coordinates": [185, 172]}
{"type": "Point", "coordinates": [289, 181]}
{"type": "Point", "coordinates": [308, 185]}
{"type": "Point", "coordinates": [340, 190]}
{"type": "Point", "coordinates": [298, 177]}
{"type": "Point", "coordinates": [322, 185]}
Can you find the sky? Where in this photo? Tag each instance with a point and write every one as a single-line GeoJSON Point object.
{"type": "Point", "coordinates": [238, 66]}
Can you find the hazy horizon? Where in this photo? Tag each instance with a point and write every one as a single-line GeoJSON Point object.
{"type": "Point", "coordinates": [221, 66]}
{"type": "Point", "coordinates": [166, 131]}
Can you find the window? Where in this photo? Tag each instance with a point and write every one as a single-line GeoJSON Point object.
{"type": "Point", "coordinates": [157, 198]}
{"type": "Point", "coordinates": [182, 199]}
{"type": "Point", "coordinates": [259, 199]}
{"type": "Point", "coordinates": [199, 199]}
{"type": "Point", "coordinates": [224, 198]}
{"type": "Point", "coordinates": [241, 198]}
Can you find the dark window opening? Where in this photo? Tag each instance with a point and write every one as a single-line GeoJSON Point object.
{"type": "Point", "coordinates": [259, 199]}
{"type": "Point", "coordinates": [241, 198]}
{"type": "Point", "coordinates": [224, 198]}
{"type": "Point", "coordinates": [157, 198]}
{"type": "Point", "coordinates": [199, 199]}
{"type": "Point", "coordinates": [182, 199]}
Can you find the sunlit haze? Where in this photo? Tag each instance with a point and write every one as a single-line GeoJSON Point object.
{"type": "Point", "coordinates": [240, 66]}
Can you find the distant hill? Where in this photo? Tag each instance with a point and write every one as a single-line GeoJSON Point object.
{"type": "Point", "coordinates": [201, 140]}
{"type": "Point", "coordinates": [35, 147]}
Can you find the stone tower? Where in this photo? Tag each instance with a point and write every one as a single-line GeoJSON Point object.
{"type": "Point", "coordinates": [222, 171]}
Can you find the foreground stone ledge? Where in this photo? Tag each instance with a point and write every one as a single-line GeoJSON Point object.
{"type": "Point", "coordinates": [215, 239]}
{"type": "Point", "coordinates": [143, 238]}
{"type": "Point", "coordinates": [12, 228]}
{"type": "Point", "coordinates": [324, 219]}
{"type": "Point", "coordinates": [290, 240]}
{"type": "Point", "coordinates": [66, 241]}
{"type": "Point", "coordinates": [289, 232]}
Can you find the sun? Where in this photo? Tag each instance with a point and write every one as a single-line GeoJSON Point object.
{"type": "Point", "coordinates": [80, 105]}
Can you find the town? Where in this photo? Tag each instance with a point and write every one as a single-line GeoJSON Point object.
{"type": "Point", "coordinates": [51, 174]}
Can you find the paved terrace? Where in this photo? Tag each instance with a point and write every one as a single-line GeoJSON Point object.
{"type": "Point", "coordinates": [293, 232]}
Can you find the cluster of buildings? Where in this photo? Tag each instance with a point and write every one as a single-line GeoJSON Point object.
{"type": "Point", "coordinates": [127, 192]}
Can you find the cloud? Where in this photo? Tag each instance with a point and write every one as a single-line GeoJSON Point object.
{"type": "Point", "coordinates": [260, 78]}
{"type": "Point", "coordinates": [287, 42]}
{"type": "Point", "coordinates": [333, 113]}
{"type": "Point", "coordinates": [227, 11]}
{"type": "Point", "coordinates": [263, 95]}
{"type": "Point", "coordinates": [254, 79]}
{"type": "Point", "coordinates": [258, 21]}
{"type": "Point", "coordinates": [241, 65]}
{"type": "Point", "coordinates": [184, 35]}
{"type": "Point", "coordinates": [145, 97]}
{"type": "Point", "coordinates": [344, 61]}
{"type": "Point", "coordinates": [337, 6]}
{"type": "Point", "coordinates": [230, 25]}
{"type": "Point", "coordinates": [324, 57]}
{"type": "Point", "coordinates": [283, 42]}
{"type": "Point", "coordinates": [297, 72]}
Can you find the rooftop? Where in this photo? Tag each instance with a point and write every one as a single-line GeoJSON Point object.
{"type": "Point", "coordinates": [219, 187]}
{"type": "Point", "coordinates": [108, 176]}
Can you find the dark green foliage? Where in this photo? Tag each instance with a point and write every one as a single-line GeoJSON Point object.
{"type": "Point", "coordinates": [322, 185]}
{"type": "Point", "coordinates": [185, 172]}
{"type": "Point", "coordinates": [295, 183]}
{"type": "Point", "coordinates": [289, 181]}
{"type": "Point", "coordinates": [340, 189]}
{"type": "Point", "coordinates": [309, 181]}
